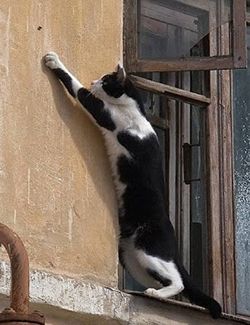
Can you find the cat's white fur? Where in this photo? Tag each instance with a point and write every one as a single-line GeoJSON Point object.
{"type": "Point", "coordinates": [53, 62]}
{"type": "Point", "coordinates": [127, 117]}
{"type": "Point", "coordinates": [137, 262]}
{"type": "Point", "coordinates": [124, 112]}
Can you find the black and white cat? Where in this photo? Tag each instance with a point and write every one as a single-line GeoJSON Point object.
{"type": "Point", "coordinates": [147, 247]}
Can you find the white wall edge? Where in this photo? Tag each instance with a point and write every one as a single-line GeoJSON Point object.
{"type": "Point", "coordinates": [71, 294]}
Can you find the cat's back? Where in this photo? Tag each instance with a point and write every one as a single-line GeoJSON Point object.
{"type": "Point", "coordinates": [145, 161]}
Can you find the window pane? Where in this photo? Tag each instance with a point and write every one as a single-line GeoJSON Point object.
{"type": "Point", "coordinates": [176, 29]}
{"type": "Point", "coordinates": [242, 183]}
{"type": "Point", "coordinates": [198, 211]}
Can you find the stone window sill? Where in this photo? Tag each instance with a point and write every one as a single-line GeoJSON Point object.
{"type": "Point", "coordinates": [66, 297]}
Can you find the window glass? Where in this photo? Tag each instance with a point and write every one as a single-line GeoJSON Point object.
{"type": "Point", "coordinates": [198, 211]}
{"type": "Point", "coordinates": [172, 29]}
{"type": "Point", "coordinates": [242, 183]}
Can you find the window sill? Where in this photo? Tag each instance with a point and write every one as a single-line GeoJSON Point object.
{"type": "Point", "coordinates": [97, 304]}
{"type": "Point", "coordinates": [189, 306]}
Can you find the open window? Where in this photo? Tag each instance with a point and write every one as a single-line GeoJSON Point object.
{"type": "Point", "coordinates": [170, 48]}
{"type": "Point", "coordinates": [174, 35]}
{"type": "Point", "coordinates": [241, 114]}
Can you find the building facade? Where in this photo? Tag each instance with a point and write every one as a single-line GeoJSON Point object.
{"type": "Point", "coordinates": [56, 189]}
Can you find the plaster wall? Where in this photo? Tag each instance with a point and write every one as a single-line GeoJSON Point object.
{"type": "Point", "coordinates": [56, 189]}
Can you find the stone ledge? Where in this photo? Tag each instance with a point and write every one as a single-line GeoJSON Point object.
{"type": "Point", "coordinates": [102, 305]}
{"type": "Point", "coordinates": [71, 294]}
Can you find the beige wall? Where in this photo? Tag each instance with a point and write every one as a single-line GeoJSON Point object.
{"type": "Point", "coordinates": [55, 183]}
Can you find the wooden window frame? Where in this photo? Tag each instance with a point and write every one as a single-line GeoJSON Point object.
{"type": "Point", "coordinates": [134, 64]}
{"type": "Point", "coordinates": [171, 92]}
{"type": "Point", "coordinates": [221, 212]}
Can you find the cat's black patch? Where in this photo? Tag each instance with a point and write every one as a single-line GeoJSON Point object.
{"type": "Point", "coordinates": [66, 80]}
{"type": "Point", "coordinates": [144, 208]}
{"type": "Point", "coordinates": [144, 213]}
{"type": "Point", "coordinates": [112, 86]}
{"type": "Point", "coordinates": [96, 108]}
{"type": "Point", "coordinates": [116, 88]}
{"type": "Point", "coordinates": [132, 92]}
{"type": "Point", "coordinates": [195, 295]}
{"type": "Point", "coordinates": [93, 105]}
{"type": "Point", "coordinates": [158, 277]}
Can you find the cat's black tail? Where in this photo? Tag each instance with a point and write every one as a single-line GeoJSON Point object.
{"type": "Point", "coordinates": [196, 296]}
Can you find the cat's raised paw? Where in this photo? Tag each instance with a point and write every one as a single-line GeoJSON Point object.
{"type": "Point", "coordinates": [52, 60]}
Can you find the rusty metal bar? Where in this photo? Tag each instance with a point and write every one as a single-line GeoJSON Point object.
{"type": "Point", "coordinates": [19, 261]}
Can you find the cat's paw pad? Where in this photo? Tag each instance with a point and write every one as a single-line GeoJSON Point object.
{"type": "Point", "coordinates": [151, 292]}
{"type": "Point", "coordinates": [52, 60]}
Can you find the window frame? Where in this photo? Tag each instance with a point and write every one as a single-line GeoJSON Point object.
{"type": "Point", "coordinates": [134, 64]}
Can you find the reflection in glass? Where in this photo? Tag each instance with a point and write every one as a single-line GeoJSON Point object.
{"type": "Point", "coordinates": [177, 29]}
{"type": "Point", "coordinates": [198, 211]}
{"type": "Point", "coordinates": [242, 183]}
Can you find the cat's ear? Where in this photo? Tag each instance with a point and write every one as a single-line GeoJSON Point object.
{"type": "Point", "coordinates": [121, 74]}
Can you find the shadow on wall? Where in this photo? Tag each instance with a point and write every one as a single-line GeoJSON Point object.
{"type": "Point", "coordinates": [75, 119]}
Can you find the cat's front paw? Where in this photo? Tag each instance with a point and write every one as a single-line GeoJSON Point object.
{"type": "Point", "coordinates": [52, 61]}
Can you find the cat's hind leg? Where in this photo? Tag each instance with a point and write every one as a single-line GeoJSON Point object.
{"type": "Point", "coordinates": [164, 272]}
{"type": "Point", "coordinates": [161, 277]}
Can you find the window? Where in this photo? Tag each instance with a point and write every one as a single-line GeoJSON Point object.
{"type": "Point", "coordinates": [167, 35]}
{"type": "Point", "coordinates": [193, 111]}
{"type": "Point", "coordinates": [241, 115]}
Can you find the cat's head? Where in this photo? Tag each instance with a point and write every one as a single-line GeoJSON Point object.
{"type": "Point", "coordinates": [116, 88]}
